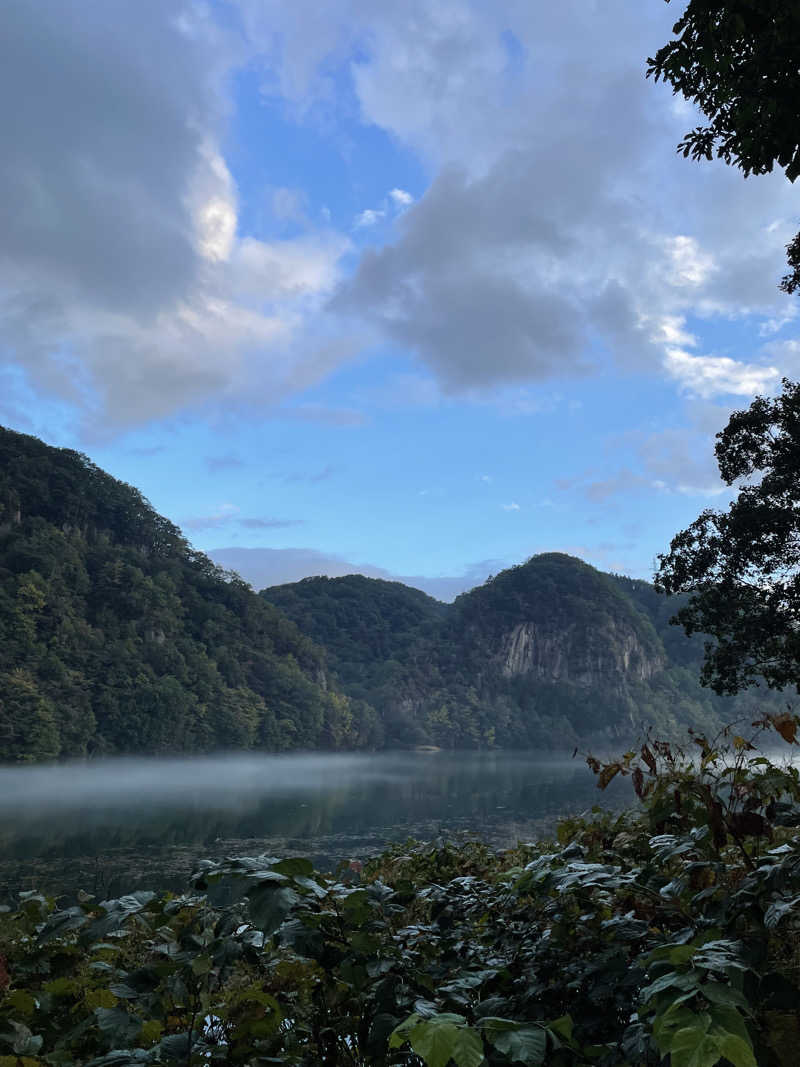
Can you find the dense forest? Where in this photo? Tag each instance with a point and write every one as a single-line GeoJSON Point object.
{"type": "Point", "coordinates": [546, 654]}
{"type": "Point", "coordinates": [116, 636]}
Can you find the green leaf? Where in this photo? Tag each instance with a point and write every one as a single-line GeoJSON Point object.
{"type": "Point", "coordinates": [737, 1050]}
{"type": "Point", "coordinates": [270, 904]}
{"type": "Point", "coordinates": [438, 1040]}
{"type": "Point", "coordinates": [693, 1047]}
{"type": "Point", "coordinates": [20, 1001]}
{"type": "Point", "coordinates": [724, 996]}
{"type": "Point", "coordinates": [22, 1041]}
{"type": "Point", "coordinates": [562, 1027]}
{"type": "Point", "coordinates": [521, 1042]}
{"type": "Point", "coordinates": [310, 884]}
{"type": "Point", "coordinates": [671, 980]}
{"type": "Point", "coordinates": [294, 866]}
{"type": "Point", "coordinates": [399, 1035]}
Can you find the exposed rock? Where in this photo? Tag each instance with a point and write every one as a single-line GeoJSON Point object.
{"type": "Point", "coordinates": [576, 656]}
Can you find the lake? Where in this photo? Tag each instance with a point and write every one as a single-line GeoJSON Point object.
{"type": "Point", "coordinates": [109, 826]}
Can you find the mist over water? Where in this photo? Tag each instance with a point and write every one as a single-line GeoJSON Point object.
{"type": "Point", "coordinates": [223, 781]}
{"type": "Point", "coordinates": [117, 824]}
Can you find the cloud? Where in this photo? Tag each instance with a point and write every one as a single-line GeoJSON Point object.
{"type": "Point", "coordinates": [556, 234]}
{"type": "Point", "coordinates": [681, 459]}
{"type": "Point", "coordinates": [225, 514]}
{"type": "Point", "coordinates": [126, 289]}
{"type": "Point", "coordinates": [513, 506]}
{"type": "Point", "coordinates": [368, 217]}
{"type": "Point", "coordinates": [148, 450]}
{"type": "Point", "coordinates": [557, 228]}
{"type": "Point", "coordinates": [270, 524]}
{"type": "Point", "coordinates": [624, 481]}
{"type": "Point", "coordinates": [312, 477]}
{"type": "Point", "coordinates": [708, 376]}
{"type": "Point", "coordinates": [221, 516]}
{"type": "Point", "coordinates": [264, 567]}
{"type": "Point", "coordinates": [223, 462]}
{"type": "Point", "coordinates": [289, 205]}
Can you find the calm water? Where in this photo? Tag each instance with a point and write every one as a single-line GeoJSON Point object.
{"type": "Point", "coordinates": [113, 825]}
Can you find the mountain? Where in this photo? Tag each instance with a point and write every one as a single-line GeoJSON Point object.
{"type": "Point", "coordinates": [116, 636]}
{"type": "Point", "coordinates": [550, 653]}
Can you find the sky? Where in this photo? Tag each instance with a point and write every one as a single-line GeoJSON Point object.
{"type": "Point", "coordinates": [413, 289]}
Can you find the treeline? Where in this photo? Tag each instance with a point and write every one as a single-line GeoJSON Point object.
{"type": "Point", "coordinates": [547, 654]}
{"type": "Point", "coordinates": [116, 636]}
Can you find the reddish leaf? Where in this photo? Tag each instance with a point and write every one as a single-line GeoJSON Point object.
{"type": "Point", "coordinates": [749, 824]}
{"type": "Point", "coordinates": [786, 725]}
{"type": "Point", "coordinates": [607, 774]}
{"type": "Point", "coordinates": [649, 759]}
{"type": "Point", "coordinates": [638, 782]}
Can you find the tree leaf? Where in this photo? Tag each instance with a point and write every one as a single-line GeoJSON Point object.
{"type": "Point", "coordinates": [521, 1042]}
{"type": "Point", "coordinates": [439, 1040]}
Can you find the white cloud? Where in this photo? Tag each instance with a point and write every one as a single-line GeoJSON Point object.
{"type": "Point", "coordinates": [708, 376]}
{"type": "Point", "coordinates": [689, 265]}
{"type": "Point", "coordinates": [220, 516]}
{"type": "Point", "coordinates": [263, 567]}
{"type": "Point", "coordinates": [513, 506]}
{"type": "Point", "coordinates": [215, 208]}
{"type": "Point", "coordinates": [125, 287]}
{"type": "Point", "coordinates": [559, 232]}
{"type": "Point", "coordinates": [368, 217]}
{"type": "Point", "coordinates": [401, 198]}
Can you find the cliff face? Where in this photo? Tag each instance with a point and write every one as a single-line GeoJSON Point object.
{"type": "Point", "coordinates": [546, 654]}
{"type": "Point", "coordinates": [612, 656]}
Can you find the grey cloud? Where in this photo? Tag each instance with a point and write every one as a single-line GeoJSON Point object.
{"type": "Point", "coordinates": [683, 459]}
{"type": "Point", "coordinates": [148, 450]}
{"type": "Point", "coordinates": [676, 459]}
{"type": "Point", "coordinates": [447, 291]}
{"type": "Point", "coordinates": [223, 463]}
{"type": "Point", "coordinates": [270, 524]}
{"type": "Point", "coordinates": [198, 523]}
{"type": "Point", "coordinates": [311, 477]}
{"type": "Point", "coordinates": [263, 567]}
{"type": "Point", "coordinates": [547, 228]}
{"type": "Point", "coordinates": [625, 481]}
{"type": "Point", "coordinates": [124, 289]}
{"type": "Point", "coordinates": [101, 118]}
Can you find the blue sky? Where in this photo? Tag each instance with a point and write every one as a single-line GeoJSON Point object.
{"type": "Point", "coordinates": [415, 289]}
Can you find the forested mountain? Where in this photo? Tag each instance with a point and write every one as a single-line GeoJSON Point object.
{"type": "Point", "coordinates": [546, 654]}
{"type": "Point", "coordinates": [116, 636]}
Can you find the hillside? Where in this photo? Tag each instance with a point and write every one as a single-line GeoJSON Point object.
{"type": "Point", "coordinates": [546, 654]}
{"type": "Point", "coordinates": [116, 636]}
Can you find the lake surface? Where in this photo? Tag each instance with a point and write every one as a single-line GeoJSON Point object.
{"type": "Point", "coordinates": [113, 825]}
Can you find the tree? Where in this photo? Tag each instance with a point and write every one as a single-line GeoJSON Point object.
{"type": "Point", "coordinates": [742, 567]}
{"type": "Point", "coordinates": [739, 62]}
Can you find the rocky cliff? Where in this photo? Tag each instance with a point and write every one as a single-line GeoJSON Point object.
{"type": "Point", "coordinates": [549, 653]}
{"type": "Point", "coordinates": [611, 657]}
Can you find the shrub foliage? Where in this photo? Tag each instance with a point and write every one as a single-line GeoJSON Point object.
{"type": "Point", "coordinates": [669, 930]}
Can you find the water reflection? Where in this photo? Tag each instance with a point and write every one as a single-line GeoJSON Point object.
{"type": "Point", "coordinates": [116, 824]}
